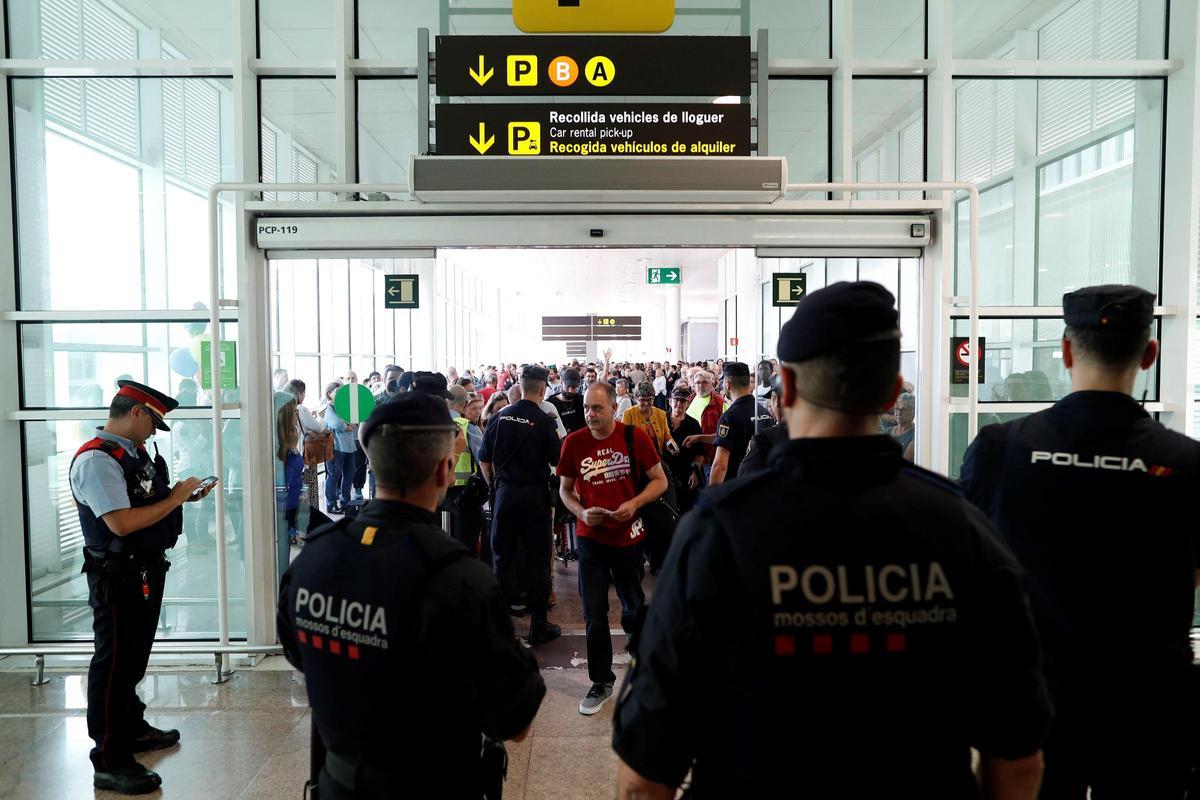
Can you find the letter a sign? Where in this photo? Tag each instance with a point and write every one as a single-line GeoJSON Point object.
{"type": "Point", "coordinates": [593, 16]}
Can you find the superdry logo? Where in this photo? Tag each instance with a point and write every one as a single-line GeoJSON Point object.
{"type": "Point", "coordinates": [1111, 463]}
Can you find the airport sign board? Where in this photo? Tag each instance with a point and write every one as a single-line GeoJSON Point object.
{"type": "Point", "coordinates": [591, 328]}
{"type": "Point", "coordinates": [596, 129]}
{"type": "Point", "coordinates": [664, 276]}
{"type": "Point", "coordinates": [960, 360]}
{"type": "Point", "coordinates": [593, 16]}
{"type": "Point", "coordinates": [788, 288]}
{"type": "Point", "coordinates": [554, 66]}
{"type": "Point", "coordinates": [400, 291]}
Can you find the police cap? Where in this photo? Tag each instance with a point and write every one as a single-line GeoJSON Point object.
{"type": "Point", "coordinates": [840, 315]}
{"type": "Point", "coordinates": [570, 377]}
{"type": "Point", "coordinates": [432, 383]}
{"type": "Point", "coordinates": [158, 403]}
{"type": "Point", "coordinates": [736, 369]}
{"type": "Point", "coordinates": [404, 382]}
{"type": "Point", "coordinates": [533, 372]}
{"type": "Point", "coordinates": [1109, 306]}
{"type": "Point", "coordinates": [415, 411]}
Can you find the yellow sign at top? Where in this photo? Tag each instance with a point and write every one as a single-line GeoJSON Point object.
{"type": "Point", "coordinates": [593, 16]}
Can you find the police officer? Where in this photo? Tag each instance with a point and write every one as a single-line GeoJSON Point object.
{"type": "Point", "coordinates": [130, 515]}
{"type": "Point", "coordinates": [737, 426]}
{"type": "Point", "coordinates": [758, 454]}
{"type": "Point", "coordinates": [845, 624]}
{"type": "Point", "coordinates": [407, 649]}
{"type": "Point", "coordinates": [569, 402]}
{"type": "Point", "coordinates": [1078, 491]}
{"type": "Point", "coordinates": [520, 446]}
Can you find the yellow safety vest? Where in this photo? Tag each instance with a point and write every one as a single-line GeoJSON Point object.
{"type": "Point", "coordinates": [465, 466]}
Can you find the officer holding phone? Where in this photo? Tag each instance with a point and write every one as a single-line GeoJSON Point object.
{"type": "Point", "coordinates": [130, 515]}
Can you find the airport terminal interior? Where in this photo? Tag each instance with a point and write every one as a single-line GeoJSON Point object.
{"type": "Point", "coordinates": [287, 213]}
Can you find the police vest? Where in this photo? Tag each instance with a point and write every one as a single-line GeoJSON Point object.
{"type": "Point", "coordinates": [352, 599]}
{"type": "Point", "coordinates": [145, 484]}
{"type": "Point", "coordinates": [466, 462]}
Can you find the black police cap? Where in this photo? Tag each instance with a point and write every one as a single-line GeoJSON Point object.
{"type": "Point", "coordinates": [1108, 306]}
{"type": "Point", "coordinates": [158, 403]}
{"type": "Point", "coordinates": [840, 315]}
{"type": "Point", "coordinates": [736, 369]}
{"type": "Point", "coordinates": [535, 373]}
{"type": "Point", "coordinates": [432, 383]}
{"type": "Point", "coordinates": [415, 411]}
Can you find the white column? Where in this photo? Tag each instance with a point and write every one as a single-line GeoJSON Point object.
{"type": "Point", "coordinates": [841, 109]}
{"type": "Point", "coordinates": [1182, 188]}
{"type": "Point", "coordinates": [672, 338]}
{"type": "Point", "coordinates": [425, 343]}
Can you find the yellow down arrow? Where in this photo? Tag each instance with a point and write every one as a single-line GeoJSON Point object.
{"type": "Point", "coordinates": [481, 77]}
{"type": "Point", "coordinates": [484, 142]}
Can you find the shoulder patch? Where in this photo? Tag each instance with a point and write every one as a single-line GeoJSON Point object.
{"type": "Point", "coordinates": [722, 431]}
{"type": "Point", "coordinates": [929, 476]}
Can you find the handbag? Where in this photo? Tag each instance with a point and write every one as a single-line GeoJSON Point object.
{"type": "Point", "coordinates": [474, 492]}
{"type": "Point", "coordinates": [661, 515]}
{"type": "Point", "coordinates": [318, 448]}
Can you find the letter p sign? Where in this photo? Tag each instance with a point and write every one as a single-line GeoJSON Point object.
{"type": "Point", "coordinates": [522, 71]}
{"type": "Point", "coordinates": [524, 138]}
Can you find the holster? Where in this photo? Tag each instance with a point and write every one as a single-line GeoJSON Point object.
{"type": "Point", "coordinates": [115, 569]}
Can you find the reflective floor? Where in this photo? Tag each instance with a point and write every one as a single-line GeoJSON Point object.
{"type": "Point", "coordinates": [250, 738]}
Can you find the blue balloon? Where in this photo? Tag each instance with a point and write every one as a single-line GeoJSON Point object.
{"type": "Point", "coordinates": [182, 362]}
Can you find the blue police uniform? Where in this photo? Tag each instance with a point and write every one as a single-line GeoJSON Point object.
{"type": "Point", "coordinates": [125, 576]}
{"type": "Point", "coordinates": [1076, 490]}
{"type": "Point", "coordinates": [737, 427]}
{"type": "Point", "coordinates": [522, 445]}
{"type": "Point", "coordinates": [857, 646]}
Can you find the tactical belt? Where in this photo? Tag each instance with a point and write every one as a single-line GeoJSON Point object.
{"type": "Point", "coordinates": [355, 776]}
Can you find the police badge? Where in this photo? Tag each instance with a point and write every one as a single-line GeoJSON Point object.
{"type": "Point", "coordinates": [722, 431]}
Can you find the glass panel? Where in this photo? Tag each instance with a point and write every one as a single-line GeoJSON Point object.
{"type": "Point", "coordinates": [958, 436]}
{"type": "Point", "coordinates": [77, 365]}
{"type": "Point", "coordinates": [1022, 362]}
{"type": "Point", "coordinates": [111, 179]}
{"type": "Point", "coordinates": [889, 28]}
{"type": "Point", "coordinates": [889, 133]}
{"type": "Point", "coordinates": [799, 128]}
{"type": "Point", "coordinates": [301, 116]}
{"type": "Point", "coordinates": [387, 129]}
{"type": "Point", "coordinates": [363, 307]}
{"type": "Point", "coordinates": [296, 29]}
{"type": "Point", "coordinates": [75, 29]}
{"type": "Point", "coordinates": [1090, 156]}
{"type": "Point", "coordinates": [1086, 29]}
{"type": "Point", "coordinates": [58, 592]}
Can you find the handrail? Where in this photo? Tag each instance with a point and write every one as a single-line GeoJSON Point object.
{"type": "Point", "coordinates": [219, 651]}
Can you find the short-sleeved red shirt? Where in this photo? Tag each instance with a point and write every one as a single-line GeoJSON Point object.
{"type": "Point", "coordinates": [604, 478]}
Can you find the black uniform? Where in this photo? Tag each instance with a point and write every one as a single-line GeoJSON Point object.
{"type": "Point", "coordinates": [844, 624]}
{"type": "Point", "coordinates": [408, 655]}
{"type": "Point", "coordinates": [126, 576]}
{"type": "Point", "coordinates": [737, 427]}
{"type": "Point", "coordinates": [521, 443]}
{"type": "Point", "coordinates": [911, 643]}
{"type": "Point", "coordinates": [1077, 490]}
{"type": "Point", "coordinates": [758, 455]}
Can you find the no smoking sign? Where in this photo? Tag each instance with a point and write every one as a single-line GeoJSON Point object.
{"type": "Point", "coordinates": [960, 365]}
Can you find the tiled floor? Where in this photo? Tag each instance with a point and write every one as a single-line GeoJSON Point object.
{"type": "Point", "coordinates": [250, 738]}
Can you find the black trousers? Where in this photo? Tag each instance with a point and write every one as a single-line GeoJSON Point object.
{"type": "Point", "coordinates": [360, 466]}
{"type": "Point", "coordinates": [521, 543]}
{"type": "Point", "coordinates": [124, 622]}
{"type": "Point", "coordinates": [601, 566]}
{"type": "Point", "coordinates": [467, 527]}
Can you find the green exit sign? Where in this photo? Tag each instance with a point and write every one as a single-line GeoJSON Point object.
{"type": "Point", "coordinates": [400, 291]}
{"type": "Point", "coordinates": [664, 276]}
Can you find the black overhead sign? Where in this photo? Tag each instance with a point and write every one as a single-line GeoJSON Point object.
{"type": "Point", "coordinates": [788, 288]}
{"type": "Point", "coordinates": [591, 328]}
{"type": "Point", "coordinates": [596, 129]}
{"type": "Point", "coordinates": [400, 291]}
{"type": "Point", "coordinates": [593, 65]}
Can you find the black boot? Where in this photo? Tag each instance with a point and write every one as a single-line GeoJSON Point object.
{"type": "Point", "coordinates": [133, 779]}
{"type": "Point", "coordinates": [154, 739]}
{"type": "Point", "coordinates": [542, 631]}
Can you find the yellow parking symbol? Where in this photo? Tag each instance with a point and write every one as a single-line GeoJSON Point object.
{"type": "Point", "coordinates": [522, 71]}
{"type": "Point", "coordinates": [524, 138]}
{"type": "Point", "coordinates": [593, 16]}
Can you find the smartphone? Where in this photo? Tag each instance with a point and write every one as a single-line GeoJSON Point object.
{"type": "Point", "coordinates": [672, 448]}
{"type": "Point", "coordinates": [205, 485]}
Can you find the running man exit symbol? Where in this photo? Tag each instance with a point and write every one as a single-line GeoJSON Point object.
{"type": "Point", "coordinates": [400, 291]}
{"type": "Point", "coordinates": [789, 288]}
{"type": "Point", "coordinates": [663, 276]}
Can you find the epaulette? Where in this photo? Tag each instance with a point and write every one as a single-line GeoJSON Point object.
{"type": "Point", "coordinates": [929, 476]}
{"type": "Point", "coordinates": [715, 495]}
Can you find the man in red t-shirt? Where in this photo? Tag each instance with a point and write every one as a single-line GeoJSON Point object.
{"type": "Point", "coordinates": [599, 486]}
